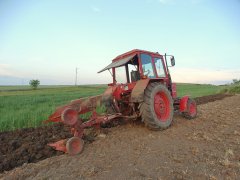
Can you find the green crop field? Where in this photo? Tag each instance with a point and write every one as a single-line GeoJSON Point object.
{"type": "Point", "coordinates": [22, 107]}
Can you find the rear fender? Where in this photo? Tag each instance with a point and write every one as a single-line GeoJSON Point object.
{"type": "Point", "coordinates": [137, 94]}
{"type": "Point", "coordinates": [183, 104]}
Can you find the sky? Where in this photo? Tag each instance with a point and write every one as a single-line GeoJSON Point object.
{"type": "Point", "coordinates": [48, 39]}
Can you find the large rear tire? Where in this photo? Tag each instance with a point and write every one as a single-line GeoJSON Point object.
{"type": "Point", "coordinates": [157, 109]}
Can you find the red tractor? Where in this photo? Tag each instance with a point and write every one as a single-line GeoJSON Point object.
{"type": "Point", "coordinates": [147, 94]}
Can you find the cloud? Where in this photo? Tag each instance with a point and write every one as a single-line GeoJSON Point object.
{"type": "Point", "coordinates": [5, 70]}
{"type": "Point", "coordinates": [173, 2]}
{"type": "Point", "coordinates": [8, 70]}
{"type": "Point", "coordinates": [196, 1]}
{"type": "Point", "coordinates": [204, 76]}
{"type": "Point", "coordinates": [9, 76]}
{"type": "Point", "coordinates": [95, 9]}
{"type": "Point", "coordinates": [166, 1]}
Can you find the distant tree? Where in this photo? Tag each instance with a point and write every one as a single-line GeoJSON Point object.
{"type": "Point", "coordinates": [236, 81]}
{"type": "Point", "coordinates": [34, 83]}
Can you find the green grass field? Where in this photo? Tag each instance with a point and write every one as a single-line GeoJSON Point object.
{"type": "Point", "coordinates": [22, 107]}
{"type": "Point", "coordinates": [197, 90]}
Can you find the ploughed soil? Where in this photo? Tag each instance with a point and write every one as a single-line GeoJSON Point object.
{"type": "Point", "coordinates": [207, 147]}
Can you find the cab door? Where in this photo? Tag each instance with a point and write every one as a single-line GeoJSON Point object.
{"type": "Point", "coordinates": [148, 69]}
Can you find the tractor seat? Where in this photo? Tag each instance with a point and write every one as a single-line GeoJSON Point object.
{"type": "Point", "coordinates": [135, 76]}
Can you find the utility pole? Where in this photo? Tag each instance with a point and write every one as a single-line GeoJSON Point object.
{"type": "Point", "coordinates": [76, 76]}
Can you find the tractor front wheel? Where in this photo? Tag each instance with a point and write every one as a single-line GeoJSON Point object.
{"type": "Point", "coordinates": [191, 112]}
{"type": "Point", "coordinates": [157, 108]}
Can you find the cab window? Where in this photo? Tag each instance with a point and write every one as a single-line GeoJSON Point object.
{"type": "Point", "coordinates": [159, 67]}
{"type": "Point", "coordinates": [147, 65]}
{"type": "Point", "coordinates": [120, 75]}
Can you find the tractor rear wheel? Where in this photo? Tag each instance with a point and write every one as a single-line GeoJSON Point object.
{"type": "Point", "coordinates": [191, 112]}
{"type": "Point", "coordinates": [157, 109]}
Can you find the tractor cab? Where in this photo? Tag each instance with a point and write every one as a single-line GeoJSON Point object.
{"type": "Point", "coordinates": [138, 64]}
{"type": "Point", "coordinates": [135, 65]}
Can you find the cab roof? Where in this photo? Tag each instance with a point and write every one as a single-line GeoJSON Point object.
{"type": "Point", "coordinates": [133, 52]}
{"type": "Point", "coordinates": [126, 57]}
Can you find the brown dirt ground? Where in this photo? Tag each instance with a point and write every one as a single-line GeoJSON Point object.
{"type": "Point", "coordinates": [205, 148]}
